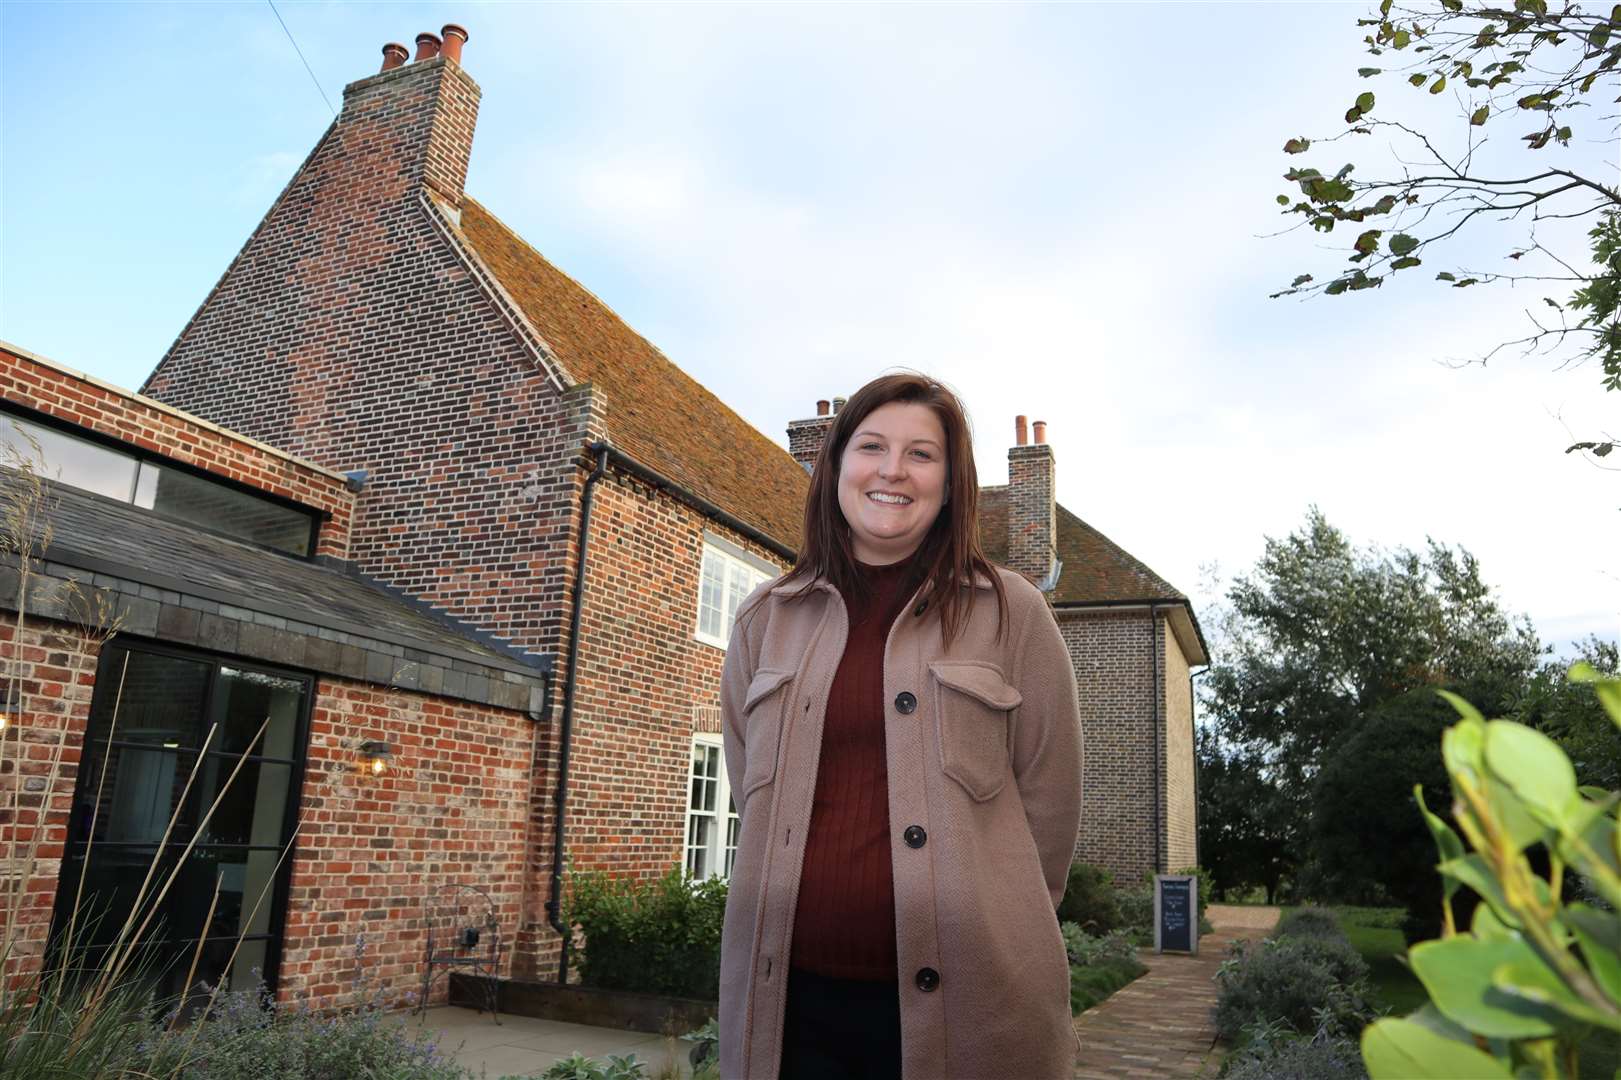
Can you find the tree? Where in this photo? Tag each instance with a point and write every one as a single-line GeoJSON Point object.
{"type": "Point", "coordinates": [1505, 64]}
{"type": "Point", "coordinates": [1570, 713]}
{"type": "Point", "coordinates": [1243, 816]}
{"type": "Point", "coordinates": [1322, 632]}
{"type": "Point", "coordinates": [1366, 830]}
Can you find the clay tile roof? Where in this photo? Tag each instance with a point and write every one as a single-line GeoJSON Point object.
{"type": "Point", "coordinates": [1096, 569]}
{"type": "Point", "coordinates": [656, 412]}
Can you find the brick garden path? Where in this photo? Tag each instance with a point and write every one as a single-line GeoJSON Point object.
{"type": "Point", "coordinates": [1160, 1025]}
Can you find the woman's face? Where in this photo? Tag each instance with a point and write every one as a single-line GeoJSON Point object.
{"type": "Point", "coordinates": [892, 481]}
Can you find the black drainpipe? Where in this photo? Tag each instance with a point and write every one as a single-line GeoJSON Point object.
{"type": "Point", "coordinates": [554, 906]}
{"type": "Point", "coordinates": [1153, 649]}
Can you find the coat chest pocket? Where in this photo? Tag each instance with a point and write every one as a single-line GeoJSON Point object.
{"type": "Point", "coordinates": [972, 705]}
{"type": "Point", "coordinates": [763, 716]}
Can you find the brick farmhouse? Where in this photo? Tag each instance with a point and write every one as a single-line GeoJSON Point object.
{"type": "Point", "coordinates": [530, 533]}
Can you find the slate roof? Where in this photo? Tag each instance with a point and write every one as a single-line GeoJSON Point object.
{"type": "Point", "coordinates": [657, 413]}
{"type": "Point", "coordinates": [1096, 569]}
{"type": "Point", "coordinates": [107, 537]}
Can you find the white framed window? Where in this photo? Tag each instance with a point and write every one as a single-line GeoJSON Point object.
{"type": "Point", "coordinates": [726, 578]}
{"type": "Point", "coordinates": [711, 834]}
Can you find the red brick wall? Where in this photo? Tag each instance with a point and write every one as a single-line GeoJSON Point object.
{"type": "Point", "coordinates": [39, 764]}
{"type": "Point", "coordinates": [89, 403]}
{"type": "Point", "coordinates": [1031, 515]}
{"type": "Point", "coordinates": [371, 849]}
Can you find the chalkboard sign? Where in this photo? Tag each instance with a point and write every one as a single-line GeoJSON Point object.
{"type": "Point", "coordinates": [1176, 913]}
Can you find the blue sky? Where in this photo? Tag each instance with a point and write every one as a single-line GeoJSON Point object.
{"type": "Point", "coordinates": [1060, 210]}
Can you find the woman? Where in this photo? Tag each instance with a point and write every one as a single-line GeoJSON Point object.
{"type": "Point", "coordinates": [903, 745]}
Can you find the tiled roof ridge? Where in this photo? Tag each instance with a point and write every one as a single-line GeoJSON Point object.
{"type": "Point", "coordinates": [1136, 565]}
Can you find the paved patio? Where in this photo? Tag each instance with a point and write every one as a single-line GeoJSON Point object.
{"type": "Point", "coordinates": [1160, 1025]}
{"type": "Point", "coordinates": [525, 1046]}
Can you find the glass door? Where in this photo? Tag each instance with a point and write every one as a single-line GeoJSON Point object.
{"type": "Point", "coordinates": [195, 763]}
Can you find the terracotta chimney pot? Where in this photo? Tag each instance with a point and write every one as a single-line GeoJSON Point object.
{"type": "Point", "coordinates": [822, 407]}
{"type": "Point", "coordinates": [427, 46]}
{"type": "Point", "coordinates": [455, 37]}
{"type": "Point", "coordinates": [1041, 432]}
{"type": "Point", "coordinates": [394, 54]}
{"type": "Point", "coordinates": [1021, 436]}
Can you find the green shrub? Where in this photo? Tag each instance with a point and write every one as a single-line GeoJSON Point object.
{"type": "Point", "coordinates": [1089, 899]}
{"type": "Point", "coordinates": [655, 936]}
{"type": "Point", "coordinates": [1137, 910]}
{"type": "Point", "coordinates": [1310, 922]}
{"type": "Point", "coordinates": [1302, 982]}
{"type": "Point", "coordinates": [580, 1067]}
{"type": "Point", "coordinates": [1098, 966]}
{"type": "Point", "coordinates": [705, 1052]}
{"type": "Point", "coordinates": [248, 1035]}
{"type": "Point", "coordinates": [1276, 1052]}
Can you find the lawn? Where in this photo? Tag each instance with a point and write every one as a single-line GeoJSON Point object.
{"type": "Point", "coordinates": [1376, 933]}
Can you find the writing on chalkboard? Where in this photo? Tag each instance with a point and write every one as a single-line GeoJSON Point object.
{"type": "Point", "coordinates": [1176, 913]}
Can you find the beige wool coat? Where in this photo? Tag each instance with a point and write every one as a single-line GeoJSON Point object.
{"type": "Point", "coordinates": [983, 744]}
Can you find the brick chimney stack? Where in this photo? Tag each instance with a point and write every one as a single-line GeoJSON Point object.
{"type": "Point", "coordinates": [805, 437]}
{"type": "Point", "coordinates": [412, 122]}
{"type": "Point", "coordinates": [1032, 522]}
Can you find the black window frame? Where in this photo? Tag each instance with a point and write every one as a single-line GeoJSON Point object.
{"type": "Point", "coordinates": [141, 454]}
{"type": "Point", "coordinates": [89, 771]}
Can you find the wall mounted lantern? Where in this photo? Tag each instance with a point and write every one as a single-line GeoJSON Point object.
{"type": "Point", "coordinates": [376, 757]}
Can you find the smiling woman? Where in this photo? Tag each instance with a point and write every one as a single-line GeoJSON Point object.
{"type": "Point", "coordinates": [902, 741]}
{"type": "Point", "coordinates": [892, 481]}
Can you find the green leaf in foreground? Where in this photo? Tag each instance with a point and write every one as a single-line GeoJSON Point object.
{"type": "Point", "coordinates": [1534, 767]}
{"type": "Point", "coordinates": [1458, 973]}
{"type": "Point", "coordinates": [1402, 1050]}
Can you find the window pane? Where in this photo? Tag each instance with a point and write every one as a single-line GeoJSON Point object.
{"type": "Point", "coordinates": [59, 456]}
{"type": "Point", "coordinates": [740, 583]}
{"type": "Point", "coordinates": [140, 791]}
{"type": "Point", "coordinates": [251, 810]}
{"type": "Point", "coordinates": [201, 501]}
{"type": "Point", "coordinates": [245, 700]}
{"type": "Point", "coordinates": [711, 593]}
{"type": "Point", "coordinates": [700, 835]}
{"type": "Point", "coordinates": [695, 778]}
{"type": "Point", "coordinates": [151, 698]}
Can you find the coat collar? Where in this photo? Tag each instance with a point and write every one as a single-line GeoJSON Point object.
{"type": "Point", "coordinates": [980, 581]}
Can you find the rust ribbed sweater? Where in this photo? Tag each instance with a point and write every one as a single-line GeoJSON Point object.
{"type": "Point", "coordinates": [844, 925]}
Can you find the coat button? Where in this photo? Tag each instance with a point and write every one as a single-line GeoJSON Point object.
{"type": "Point", "coordinates": [905, 702]}
{"type": "Point", "coordinates": [914, 836]}
{"type": "Point", "coordinates": [927, 979]}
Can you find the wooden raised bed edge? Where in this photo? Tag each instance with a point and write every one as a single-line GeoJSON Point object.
{"type": "Point", "coordinates": [574, 1004]}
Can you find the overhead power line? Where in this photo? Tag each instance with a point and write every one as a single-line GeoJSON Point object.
{"type": "Point", "coordinates": [300, 53]}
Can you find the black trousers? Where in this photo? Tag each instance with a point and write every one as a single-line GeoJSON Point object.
{"type": "Point", "coordinates": [840, 1029]}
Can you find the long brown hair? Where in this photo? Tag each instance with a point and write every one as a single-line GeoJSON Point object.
{"type": "Point", "coordinates": [949, 555]}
